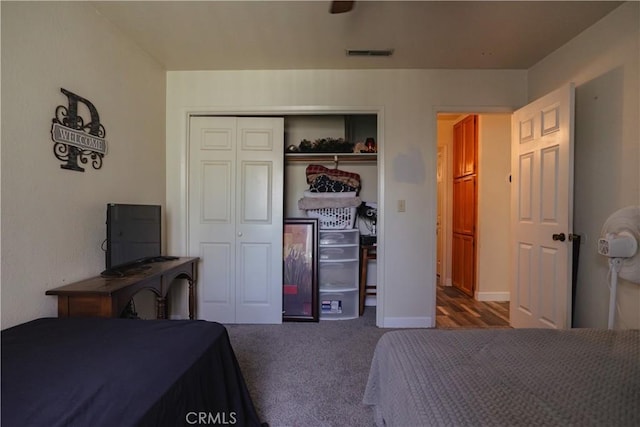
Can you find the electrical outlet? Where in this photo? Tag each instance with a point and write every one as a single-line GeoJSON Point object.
{"type": "Point", "coordinates": [402, 206]}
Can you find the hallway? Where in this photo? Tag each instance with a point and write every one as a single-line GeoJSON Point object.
{"type": "Point", "coordinates": [456, 310]}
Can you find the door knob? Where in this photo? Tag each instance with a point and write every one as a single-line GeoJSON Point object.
{"type": "Point", "coordinates": [240, 234]}
{"type": "Point", "coordinates": [560, 237]}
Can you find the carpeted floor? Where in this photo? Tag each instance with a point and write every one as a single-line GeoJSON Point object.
{"type": "Point", "coordinates": [314, 374]}
{"type": "Point", "coordinates": [308, 374]}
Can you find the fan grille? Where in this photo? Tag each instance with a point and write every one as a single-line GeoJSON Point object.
{"type": "Point", "coordinates": [626, 220]}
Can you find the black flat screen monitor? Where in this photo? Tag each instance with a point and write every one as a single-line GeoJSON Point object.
{"type": "Point", "coordinates": [133, 234]}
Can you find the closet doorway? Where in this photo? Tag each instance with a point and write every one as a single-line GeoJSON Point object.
{"type": "Point", "coordinates": [355, 129]}
{"type": "Point", "coordinates": [373, 187]}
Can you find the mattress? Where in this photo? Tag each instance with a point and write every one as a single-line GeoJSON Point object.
{"type": "Point", "coordinates": [506, 377]}
{"type": "Point", "coordinates": [121, 372]}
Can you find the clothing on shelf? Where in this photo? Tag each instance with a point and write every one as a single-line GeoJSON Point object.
{"type": "Point", "coordinates": [324, 180]}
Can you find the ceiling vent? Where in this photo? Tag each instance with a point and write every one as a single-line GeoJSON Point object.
{"type": "Point", "coordinates": [369, 52]}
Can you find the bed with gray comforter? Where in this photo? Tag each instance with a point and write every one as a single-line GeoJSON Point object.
{"type": "Point", "coordinates": [508, 377]}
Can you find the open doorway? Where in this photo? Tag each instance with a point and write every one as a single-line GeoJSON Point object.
{"type": "Point", "coordinates": [484, 301]}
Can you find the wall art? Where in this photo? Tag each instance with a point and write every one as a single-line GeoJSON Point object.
{"type": "Point", "coordinates": [77, 139]}
{"type": "Point", "coordinates": [300, 270]}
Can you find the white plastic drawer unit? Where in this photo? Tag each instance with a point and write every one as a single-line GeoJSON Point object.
{"type": "Point", "coordinates": [339, 237]}
{"type": "Point", "coordinates": [338, 305]}
{"type": "Point", "coordinates": [338, 276]}
{"type": "Point", "coordinates": [340, 253]}
{"type": "Point", "coordinates": [338, 273]}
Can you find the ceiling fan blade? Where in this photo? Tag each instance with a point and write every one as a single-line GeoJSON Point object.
{"type": "Point", "coordinates": [341, 6]}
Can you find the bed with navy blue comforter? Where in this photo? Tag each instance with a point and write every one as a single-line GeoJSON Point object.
{"type": "Point", "coordinates": [122, 372]}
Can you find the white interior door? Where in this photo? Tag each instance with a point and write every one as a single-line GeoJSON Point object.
{"type": "Point", "coordinates": [235, 217]}
{"type": "Point", "coordinates": [542, 211]}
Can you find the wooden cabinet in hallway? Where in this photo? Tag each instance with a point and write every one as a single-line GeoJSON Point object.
{"type": "Point", "coordinates": [465, 196]}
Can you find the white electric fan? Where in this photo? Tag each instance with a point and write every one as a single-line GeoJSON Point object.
{"type": "Point", "coordinates": [619, 242]}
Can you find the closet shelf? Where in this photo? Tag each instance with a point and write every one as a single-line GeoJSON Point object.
{"type": "Point", "coordinates": [328, 157]}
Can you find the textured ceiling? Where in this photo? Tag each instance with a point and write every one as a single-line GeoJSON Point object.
{"type": "Point", "coordinates": [209, 35]}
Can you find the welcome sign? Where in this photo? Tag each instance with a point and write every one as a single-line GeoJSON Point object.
{"type": "Point", "coordinates": [78, 139]}
{"type": "Point", "coordinates": [68, 136]}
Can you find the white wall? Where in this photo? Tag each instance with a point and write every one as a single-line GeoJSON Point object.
{"type": "Point", "coordinates": [494, 166]}
{"type": "Point", "coordinates": [603, 63]}
{"type": "Point", "coordinates": [407, 101]}
{"type": "Point", "coordinates": [445, 139]}
{"type": "Point", "coordinates": [53, 220]}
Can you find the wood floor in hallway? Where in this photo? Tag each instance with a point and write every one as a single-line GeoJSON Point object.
{"type": "Point", "coordinates": [456, 310]}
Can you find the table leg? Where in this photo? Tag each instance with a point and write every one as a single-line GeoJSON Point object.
{"type": "Point", "coordinates": [191, 299]}
{"type": "Point", "coordinates": [161, 308]}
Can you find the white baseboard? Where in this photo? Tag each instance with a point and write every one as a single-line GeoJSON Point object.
{"type": "Point", "coordinates": [448, 282]}
{"type": "Point", "coordinates": [408, 322]}
{"type": "Point", "coordinates": [370, 301]}
{"type": "Point", "coordinates": [493, 296]}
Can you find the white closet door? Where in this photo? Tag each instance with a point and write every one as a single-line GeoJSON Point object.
{"type": "Point", "coordinates": [259, 227]}
{"type": "Point", "coordinates": [235, 217]}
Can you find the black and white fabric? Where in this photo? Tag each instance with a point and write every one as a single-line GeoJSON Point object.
{"type": "Point", "coordinates": [324, 184]}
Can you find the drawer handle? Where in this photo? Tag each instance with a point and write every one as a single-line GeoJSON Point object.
{"type": "Point", "coordinates": [332, 250]}
{"type": "Point", "coordinates": [332, 266]}
{"type": "Point", "coordinates": [332, 236]}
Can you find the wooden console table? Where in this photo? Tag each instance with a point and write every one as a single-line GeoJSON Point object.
{"type": "Point", "coordinates": [108, 296]}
